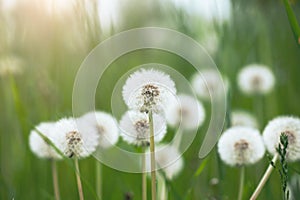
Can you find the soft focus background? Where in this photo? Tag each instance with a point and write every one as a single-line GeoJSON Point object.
{"type": "Point", "coordinates": [49, 39]}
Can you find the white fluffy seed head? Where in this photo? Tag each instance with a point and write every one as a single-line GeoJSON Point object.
{"type": "Point", "coordinates": [241, 146]}
{"type": "Point", "coordinates": [100, 123]}
{"type": "Point", "coordinates": [135, 129]}
{"type": "Point", "coordinates": [243, 118]}
{"type": "Point", "coordinates": [207, 83]}
{"type": "Point", "coordinates": [71, 141]}
{"type": "Point", "coordinates": [211, 42]}
{"type": "Point", "coordinates": [185, 111]}
{"type": "Point", "coordinates": [291, 127]}
{"type": "Point", "coordinates": [168, 158]}
{"type": "Point", "coordinates": [146, 90]}
{"type": "Point", "coordinates": [38, 145]}
{"type": "Point", "coordinates": [256, 79]}
{"type": "Point", "coordinates": [10, 65]}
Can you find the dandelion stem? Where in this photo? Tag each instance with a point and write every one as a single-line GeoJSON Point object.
{"type": "Point", "coordinates": [144, 176]}
{"type": "Point", "coordinates": [79, 184]}
{"type": "Point", "coordinates": [152, 152]}
{"type": "Point", "coordinates": [55, 180]}
{"type": "Point", "coordinates": [264, 178]}
{"type": "Point", "coordinates": [99, 179]}
{"type": "Point", "coordinates": [162, 187]}
{"type": "Point", "coordinates": [242, 180]}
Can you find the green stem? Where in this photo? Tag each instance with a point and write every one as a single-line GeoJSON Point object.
{"type": "Point", "coordinates": [162, 187]}
{"type": "Point", "coordinates": [144, 176]}
{"type": "Point", "coordinates": [242, 178]}
{"type": "Point", "coordinates": [152, 152]}
{"type": "Point", "coordinates": [293, 21]}
{"type": "Point", "coordinates": [99, 179]}
{"type": "Point", "coordinates": [264, 178]}
{"type": "Point", "coordinates": [55, 180]}
{"type": "Point", "coordinates": [79, 184]}
{"type": "Point", "coordinates": [18, 105]}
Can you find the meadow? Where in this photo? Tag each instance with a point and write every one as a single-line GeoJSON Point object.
{"type": "Point", "coordinates": [48, 46]}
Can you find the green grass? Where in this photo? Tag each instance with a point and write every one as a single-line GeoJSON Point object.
{"type": "Point", "coordinates": [53, 48]}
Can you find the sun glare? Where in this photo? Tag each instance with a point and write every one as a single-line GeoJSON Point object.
{"type": "Point", "coordinates": [59, 6]}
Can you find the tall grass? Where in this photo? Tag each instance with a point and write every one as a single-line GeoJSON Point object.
{"type": "Point", "coordinates": [52, 48]}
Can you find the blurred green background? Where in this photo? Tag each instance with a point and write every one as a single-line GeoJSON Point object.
{"type": "Point", "coordinates": [51, 38]}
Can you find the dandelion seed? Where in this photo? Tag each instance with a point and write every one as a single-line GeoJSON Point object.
{"type": "Point", "coordinates": [147, 90]}
{"type": "Point", "coordinates": [214, 181]}
{"type": "Point", "coordinates": [241, 146]}
{"type": "Point", "coordinates": [256, 79]}
{"type": "Point", "coordinates": [42, 149]}
{"type": "Point", "coordinates": [187, 111]}
{"type": "Point", "coordinates": [289, 126]}
{"type": "Point", "coordinates": [206, 83]}
{"type": "Point", "coordinates": [10, 65]}
{"type": "Point", "coordinates": [72, 142]}
{"type": "Point", "coordinates": [38, 145]}
{"type": "Point", "coordinates": [169, 159]}
{"type": "Point", "coordinates": [102, 124]}
{"type": "Point", "coordinates": [211, 42]}
{"type": "Point", "coordinates": [243, 118]}
{"type": "Point", "coordinates": [134, 127]}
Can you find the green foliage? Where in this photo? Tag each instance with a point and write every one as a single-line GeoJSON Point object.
{"type": "Point", "coordinates": [283, 171]}
{"type": "Point", "coordinates": [53, 47]}
{"type": "Point", "coordinates": [293, 21]}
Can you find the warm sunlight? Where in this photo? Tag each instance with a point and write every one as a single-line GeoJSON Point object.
{"type": "Point", "coordinates": [57, 6]}
{"type": "Point", "coordinates": [149, 99]}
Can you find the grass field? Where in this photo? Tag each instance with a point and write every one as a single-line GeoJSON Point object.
{"type": "Point", "coordinates": [50, 46]}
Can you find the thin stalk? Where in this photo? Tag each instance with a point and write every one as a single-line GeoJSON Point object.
{"type": "Point", "coordinates": [99, 179]}
{"type": "Point", "coordinates": [79, 184]}
{"type": "Point", "coordinates": [20, 111]}
{"type": "Point", "coordinates": [242, 180]}
{"type": "Point", "coordinates": [144, 176]}
{"type": "Point", "coordinates": [152, 152]}
{"type": "Point", "coordinates": [162, 187]}
{"type": "Point", "coordinates": [264, 178]}
{"type": "Point", "coordinates": [55, 180]}
{"type": "Point", "coordinates": [293, 21]}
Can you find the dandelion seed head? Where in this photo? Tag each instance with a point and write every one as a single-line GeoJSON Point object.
{"type": "Point", "coordinates": [168, 158]}
{"type": "Point", "coordinates": [147, 90]}
{"type": "Point", "coordinates": [135, 128]}
{"type": "Point", "coordinates": [206, 83]}
{"type": "Point", "coordinates": [256, 79]}
{"type": "Point", "coordinates": [241, 146]}
{"type": "Point", "coordinates": [74, 144]}
{"type": "Point", "coordinates": [289, 126]}
{"type": "Point", "coordinates": [243, 118]}
{"type": "Point", "coordinates": [71, 141]}
{"type": "Point", "coordinates": [103, 124]}
{"type": "Point", "coordinates": [186, 111]}
{"type": "Point", "coordinates": [214, 181]}
{"type": "Point", "coordinates": [39, 146]}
